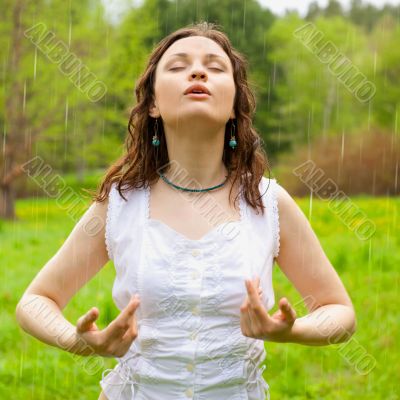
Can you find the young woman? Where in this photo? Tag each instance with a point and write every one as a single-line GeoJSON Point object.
{"type": "Point", "coordinates": [194, 292]}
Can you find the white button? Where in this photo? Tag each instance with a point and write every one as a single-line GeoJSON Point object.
{"type": "Point", "coordinates": [193, 335]}
{"type": "Point", "coordinates": [195, 274]}
{"type": "Point", "coordinates": [189, 392]}
{"type": "Point", "coordinates": [195, 252]}
{"type": "Point", "coordinates": [190, 367]}
{"type": "Point", "coordinates": [195, 310]}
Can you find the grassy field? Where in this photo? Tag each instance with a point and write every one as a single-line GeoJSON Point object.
{"type": "Point", "coordinates": [369, 269]}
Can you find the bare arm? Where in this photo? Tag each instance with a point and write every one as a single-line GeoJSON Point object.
{"type": "Point", "coordinates": [331, 317]}
{"type": "Point", "coordinates": [80, 257]}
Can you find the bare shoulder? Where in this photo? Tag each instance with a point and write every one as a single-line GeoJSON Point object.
{"type": "Point", "coordinates": [291, 217]}
{"type": "Point", "coordinates": [295, 228]}
{"type": "Point", "coordinates": [302, 258]}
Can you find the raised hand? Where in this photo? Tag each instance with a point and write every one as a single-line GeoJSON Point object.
{"type": "Point", "coordinates": [114, 340]}
{"type": "Point", "coordinates": [255, 321]}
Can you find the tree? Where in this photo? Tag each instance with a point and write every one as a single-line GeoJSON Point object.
{"type": "Point", "coordinates": [39, 92]}
{"type": "Point", "coordinates": [384, 42]}
{"type": "Point", "coordinates": [312, 100]}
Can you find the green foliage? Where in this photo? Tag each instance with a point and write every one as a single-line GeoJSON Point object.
{"type": "Point", "coordinates": [368, 269]}
{"type": "Point", "coordinates": [311, 99]}
{"type": "Point", "coordinates": [386, 104]}
{"type": "Point", "coordinates": [298, 98]}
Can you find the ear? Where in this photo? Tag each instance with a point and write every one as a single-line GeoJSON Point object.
{"type": "Point", "coordinates": [153, 111]}
{"type": "Point", "coordinates": [232, 116]}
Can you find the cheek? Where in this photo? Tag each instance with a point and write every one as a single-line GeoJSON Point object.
{"type": "Point", "coordinates": [225, 95]}
{"type": "Point", "coordinates": [167, 92]}
{"type": "Point", "coordinates": [225, 88]}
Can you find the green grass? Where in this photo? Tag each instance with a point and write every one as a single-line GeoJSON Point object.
{"type": "Point", "coordinates": [369, 269]}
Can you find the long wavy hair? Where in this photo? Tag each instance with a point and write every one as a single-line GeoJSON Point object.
{"type": "Point", "coordinates": [137, 167]}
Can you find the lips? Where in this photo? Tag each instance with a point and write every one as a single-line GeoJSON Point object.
{"type": "Point", "coordinates": [197, 88]}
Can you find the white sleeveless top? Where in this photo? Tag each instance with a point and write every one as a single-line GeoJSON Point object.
{"type": "Point", "coordinates": [189, 343]}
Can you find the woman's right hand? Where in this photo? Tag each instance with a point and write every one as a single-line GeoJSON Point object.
{"type": "Point", "coordinates": [114, 340]}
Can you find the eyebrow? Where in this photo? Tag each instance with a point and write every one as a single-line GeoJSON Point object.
{"type": "Point", "coordinates": [208, 55]}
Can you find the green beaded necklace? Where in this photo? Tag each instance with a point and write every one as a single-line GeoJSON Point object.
{"type": "Point", "coordinates": [192, 190]}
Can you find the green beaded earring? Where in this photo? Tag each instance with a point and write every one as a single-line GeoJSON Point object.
{"type": "Point", "coordinates": [232, 142]}
{"type": "Point", "coordinates": [156, 141]}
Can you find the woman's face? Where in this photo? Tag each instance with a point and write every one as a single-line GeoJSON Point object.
{"type": "Point", "coordinates": [175, 73]}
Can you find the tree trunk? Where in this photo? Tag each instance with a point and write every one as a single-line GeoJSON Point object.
{"type": "Point", "coordinates": [7, 202]}
{"type": "Point", "coordinates": [81, 170]}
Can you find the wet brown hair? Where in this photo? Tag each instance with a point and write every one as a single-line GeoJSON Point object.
{"type": "Point", "coordinates": [138, 166]}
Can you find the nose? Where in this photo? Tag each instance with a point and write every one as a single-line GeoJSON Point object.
{"type": "Point", "coordinates": [198, 72]}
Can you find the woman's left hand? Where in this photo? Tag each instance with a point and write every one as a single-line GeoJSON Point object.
{"type": "Point", "coordinates": [255, 321]}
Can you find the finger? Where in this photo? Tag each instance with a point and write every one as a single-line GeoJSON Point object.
{"type": "Point", "coordinates": [252, 319]}
{"type": "Point", "coordinates": [257, 286]}
{"type": "Point", "coordinates": [131, 332]}
{"type": "Point", "coordinates": [129, 311]}
{"type": "Point", "coordinates": [244, 306]}
{"type": "Point", "coordinates": [254, 299]}
{"type": "Point", "coordinates": [256, 281]}
{"type": "Point", "coordinates": [256, 308]}
{"type": "Point", "coordinates": [287, 309]}
{"type": "Point", "coordinates": [245, 320]}
{"type": "Point", "coordinates": [245, 303]}
{"type": "Point", "coordinates": [85, 322]}
{"type": "Point", "coordinates": [123, 322]}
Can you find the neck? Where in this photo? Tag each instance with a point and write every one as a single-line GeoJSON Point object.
{"type": "Point", "coordinates": [195, 157]}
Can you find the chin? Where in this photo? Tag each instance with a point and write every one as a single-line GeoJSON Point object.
{"type": "Point", "coordinates": [196, 116]}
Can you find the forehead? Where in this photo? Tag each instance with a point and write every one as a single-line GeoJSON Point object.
{"type": "Point", "coordinates": [195, 46]}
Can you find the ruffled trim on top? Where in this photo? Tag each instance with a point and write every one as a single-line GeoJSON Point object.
{"type": "Point", "coordinates": [115, 201]}
{"type": "Point", "coordinates": [275, 218]}
{"type": "Point", "coordinates": [109, 218]}
{"type": "Point", "coordinates": [242, 205]}
{"type": "Point", "coordinates": [147, 199]}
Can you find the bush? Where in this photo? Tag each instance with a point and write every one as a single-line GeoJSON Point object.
{"type": "Point", "coordinates": [26, 186]}
{"type": "Point", "coordinates": [363, 163]}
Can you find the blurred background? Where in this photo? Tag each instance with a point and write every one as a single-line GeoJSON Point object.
{"type": "Point", "coordinates": [326, 76]}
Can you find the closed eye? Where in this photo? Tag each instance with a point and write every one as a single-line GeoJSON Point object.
{"type": "Point", "coordinates": [217, 69]}
{"type": "Point", "coordinates": [176, 68]}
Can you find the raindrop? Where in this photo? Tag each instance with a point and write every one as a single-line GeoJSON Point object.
{"type": "Point", "coordinates": [375, 62]}
{"type": "Point", "coordinates": [4, 139]}
{"type": "Point", "coordinates": [369, 114]}
{"type": "Point", "coordinates": [66, 114]}
{"type": "Point", "coordinates": [70, 25]}
{"type": "Point", "coordinates": [35, 64]}
{"type": "Point", "coordinates": [244, 17]}
{"type": "Point", "coordinates": [24, 99]}
{"type": "Point", "coordinates": [342, 150]}
{"type": "Point", "coordinates": [374, 182]}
